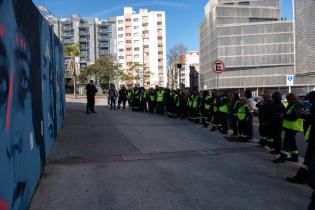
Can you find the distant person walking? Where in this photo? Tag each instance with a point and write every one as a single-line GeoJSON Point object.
{"type": "Point", "coordinates": [122, 97]}
{"type": "Point", "coordinates": [112, 94]}
{"type": "Point", "coordinates": [90, 94]}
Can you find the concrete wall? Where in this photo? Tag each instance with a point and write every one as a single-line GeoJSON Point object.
{"type": "Point", "coordinates": [31, 99]}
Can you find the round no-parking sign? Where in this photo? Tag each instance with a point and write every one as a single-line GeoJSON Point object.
{"type": "Point", "coordinates": [218, 66]}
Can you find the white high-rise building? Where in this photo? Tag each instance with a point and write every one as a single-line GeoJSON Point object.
{"type": "Point", "coordinates": [141, 39]}
{"type": "Point", "coordinates": [133, 39]}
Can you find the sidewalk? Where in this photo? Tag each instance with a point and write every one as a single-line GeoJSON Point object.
{"type": "Point", "coordinates": [126, 160]}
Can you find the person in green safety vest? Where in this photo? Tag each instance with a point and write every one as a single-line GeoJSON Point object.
{"type": "Point", "coordinates": [205, 106]}
{"type": "Point", "coordinates": [243, 120]}
{"type": "Point", "coordinates": [184, 103]}
{"type": "Point", "coordinates": [195, 107]}
{"type": "Point", "coordinates": [177, 100]}
{"type": "Point", "coordinates": [144, 99]}
{"type": "Point", "coordinates": [152, 100]}
{"type": "Point", "coordinates": [189, 104]}
{"type": "Point", "coordinates": [224, 113]}
{"type": "Point", "coordinates": [160, 101]}
{"type": "Point", "coordinates": [129, 98]}
{"type": "Point", "coordinates": [216, 124]}
{"type": "Point", "coordinates": [233, 113]}
{"type": "Point", "coordinates": [301, 176]}
{"type": "Point", "coordinates": [136, 99]}
{"type": "Point", "coordinates": [292, 124]}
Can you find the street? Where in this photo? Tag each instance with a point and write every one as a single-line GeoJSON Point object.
{"type": "Point", "coordinates": [127, 160]}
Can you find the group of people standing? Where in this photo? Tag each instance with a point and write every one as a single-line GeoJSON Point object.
{"type": "Point", "coordinates": [224, 112]}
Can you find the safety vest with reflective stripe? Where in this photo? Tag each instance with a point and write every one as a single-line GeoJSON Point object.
{"type": "Point", "coordinates": [215, 108]}
{"type": "Point", "coordinates": [207, 103]}
{"type": "Point", "coordinates": [160, 96]}
{"type": "Point", "coordinates": [296, 125]}
{"type": "Point", "coordinates": [241, 113]}
{"type": "Point", "coordinates": [136, 94]}
{"type": "Point", "coordinates": [176, 99]}
{"type": "Point", "coordinates": [190, 101]}
{"type": "Point", "coordinates": [307, 133]}
{"type": "Point", "coordinates": [224, 108]}
{"type": "Point", "coordinates": [195, 101]}
{"type": "Point", "coordinates": [152, 98]}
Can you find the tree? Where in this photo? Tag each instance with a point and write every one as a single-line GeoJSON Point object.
{"type": "Point", "coordinates": [173, 58]}
{"type": "Point", "coordinates": [104, 71]}
{"type": "Point", "coordinates": [72, 51]}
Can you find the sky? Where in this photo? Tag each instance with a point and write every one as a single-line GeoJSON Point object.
{"type": "Point", "coordinates": [183, 17]}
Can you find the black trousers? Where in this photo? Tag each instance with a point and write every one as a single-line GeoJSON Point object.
{"type": "Point", "coordinates": [224, 121]}
{"type": "Point", "coordinates": [113, 102]}
{"type": "Point", "coordinates": [276, 131]}
{"type": "Point", "coordinates": [151, 107]}
{"type": "Point", "coordinates": [90, 106]}
{"type": "Point", "coordinates": [159, 108]}
{"type": "Point", "coordinates": [310, 151]}
{"type": "Point", "coordinates": [312, 204]}
{"type": "Point", "coordinates": [234, 125]}
{"type": "Point", "coordinates": [122, 101]}
{"type": "Point", "coordinates": [243, 129]}
{"type": "Point", "coordinates": [289, 144]}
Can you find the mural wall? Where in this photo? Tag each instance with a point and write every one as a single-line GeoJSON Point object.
{"type": "Point", "coordinates": [31, 99]}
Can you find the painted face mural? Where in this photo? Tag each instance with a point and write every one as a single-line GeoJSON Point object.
{"type": "Point", "coordinates": [27, 100]}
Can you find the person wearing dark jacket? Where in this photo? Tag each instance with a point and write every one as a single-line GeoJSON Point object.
{"type": "Point", "coordinates": [90, 94]}
{"type": "Point", "coordinates": [292, 123]}
{"type": "Point", "coordinates": [264, 108]}
{"type": "Point", "coordinates": [152, 100]}
{"type": "Point", "coordinates": [312, 182]}
{"type": "Point", "coordinates": [275, 120]}
{"type": "Point", "coordinates": [242, 120]}
{"type": "Point", "coordinates": [302, 173]}
{"type": "Point", "coordinates": [122, 97]}
{"type": "Point", "coordinates": [224, 113]}
{"type": "Point", "coordinates": [249, 96]}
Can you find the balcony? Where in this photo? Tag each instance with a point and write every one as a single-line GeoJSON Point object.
{"type": "Point", "coordinates": [105, 37]}
{"type": "Point", "coordinates": [67, 28]}
{"type": "Point", "coordinates": [67, 34]}
{"type": "Point", "coordinates": [84, 32]}
{"type": "Point", "coordinates": [103, 44]}
{"type": "Point", "coordinates": [83, 60]}
{"type": "Point", "coordinates": [68, 41]}
{"type": "Point", "coordinates": [103, 52]}
{"type": "Point", "coordinates": [83, 40]}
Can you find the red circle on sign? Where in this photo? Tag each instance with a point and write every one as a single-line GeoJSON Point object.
{"type": "Point", "coordinates": [218, 66]}
{"type": "Point", "coordinates": [3, 205]}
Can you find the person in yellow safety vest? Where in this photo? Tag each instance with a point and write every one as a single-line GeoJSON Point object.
{"type": "Point", "coordinates": [224, 113]}
{"type": "Point", "coordinates": [292, 124]}
{"type": "Point", "coordinates": [177, 100]}
{"type": "Point", "coordinates": [160, 101]}
{"type": "Point", "coordinates": [243, 120]}
{"type": "Point", "coordinates": [144, 99]}
{"type": "Point", "coordinates": [301, 176]}
{"type": "Point", "coordinates": [136, 105]}
{"type": "Point", "coordinates": [195, 107]}
{"type": "Point", "coordinates": [216, 124]}
{"type": "Point", "coordinates": [205, 106]}
{"type": "Point", "coordinates": [190, 104]}
{"type": "Point", "coordinates": [152, 100]}
{"type": "Point", "coordinates": [233, 113]}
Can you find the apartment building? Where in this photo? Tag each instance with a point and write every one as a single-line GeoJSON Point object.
{"type": "Point", "coordinates": [255, 44]}
{"type": "Point", "coordinates": [141, 39]}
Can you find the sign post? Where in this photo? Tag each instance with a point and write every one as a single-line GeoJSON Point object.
{"type": "Point", "coordinates": [290, 81]}
{"type": "Point", "coordinates": [218, 67]}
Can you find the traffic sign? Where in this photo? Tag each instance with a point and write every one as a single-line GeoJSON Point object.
{"type": "Point", "coordinates": [218, 66]}
{"type": "Point", "coordinates": [290, 80]}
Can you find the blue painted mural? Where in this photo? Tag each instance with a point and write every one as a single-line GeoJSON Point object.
{"type": "Point", "coordinates": [31, 99]}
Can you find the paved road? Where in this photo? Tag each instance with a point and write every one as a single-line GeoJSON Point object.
{"type": "Point", "coordinates": [127, 160]}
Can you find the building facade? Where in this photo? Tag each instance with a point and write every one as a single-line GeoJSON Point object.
{"type": "Point", "coordinates": [305, 45]}
{"type": "Point", "coordinates": [255, 44]}
{"type": "Point", "coordinates": [141, 39]}
{"type": "Point", "coordinates": [137, 41]}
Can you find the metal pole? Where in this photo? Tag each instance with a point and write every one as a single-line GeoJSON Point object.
{"type": "Point", "coordinates": [218, 82]}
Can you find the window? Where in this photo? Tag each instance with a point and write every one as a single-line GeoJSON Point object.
{"type": "Point", "coordinates": [160, 52]}
{"type": "Point", "coordinates": [128, 41]}
{"type": "Point", "coordinates": [121, 50]}
{"type": "Point", "coordinates": [128, 20]}
{"type": "Point", "coordinates": [243, 3]}
{"type": "Point", "coordinates": [145, 46]}
{"type": "Point", "coordinates": [120, 35]}
{"type": "Point", "coordinates": [145, 24]}
{"type": "Point", "coordinates": [136, 49]}
{"type": "Point", "coordinates": [160, 38]}
{"type": "Point", "coordinates": [160, 45]}
{"type": "Point", "coordinates": [120, 28]}
{"type": "Point", "coordinates": [120, 43]}
{"type": "Point", "coordinates": [159, 15]}
{"type": "Point", "coordinates": [136, 56]}
{"type": "Point", "coordinates": [121, 57]}
{"type": "Point", "coordinates": [128, 34]}
{"type": "Point", "coordinates": [136, 42]}
{"type": "Point", "coordinates": [147, 53]}
{"type": "Point", "coordinates": [129, 49]}
{"type": "Point", "coordinates": [136, 20]}
{"type": "Point", "coordinates": [159, 23]}
{"type": "Point", "coordinates": [136, 27]}
{"type": "Point", "coordinates": [160, 60]}
{"type": "Point", "coordinates": [136, 34]}
{"type": "Point", "coordinates": [120, 21]}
